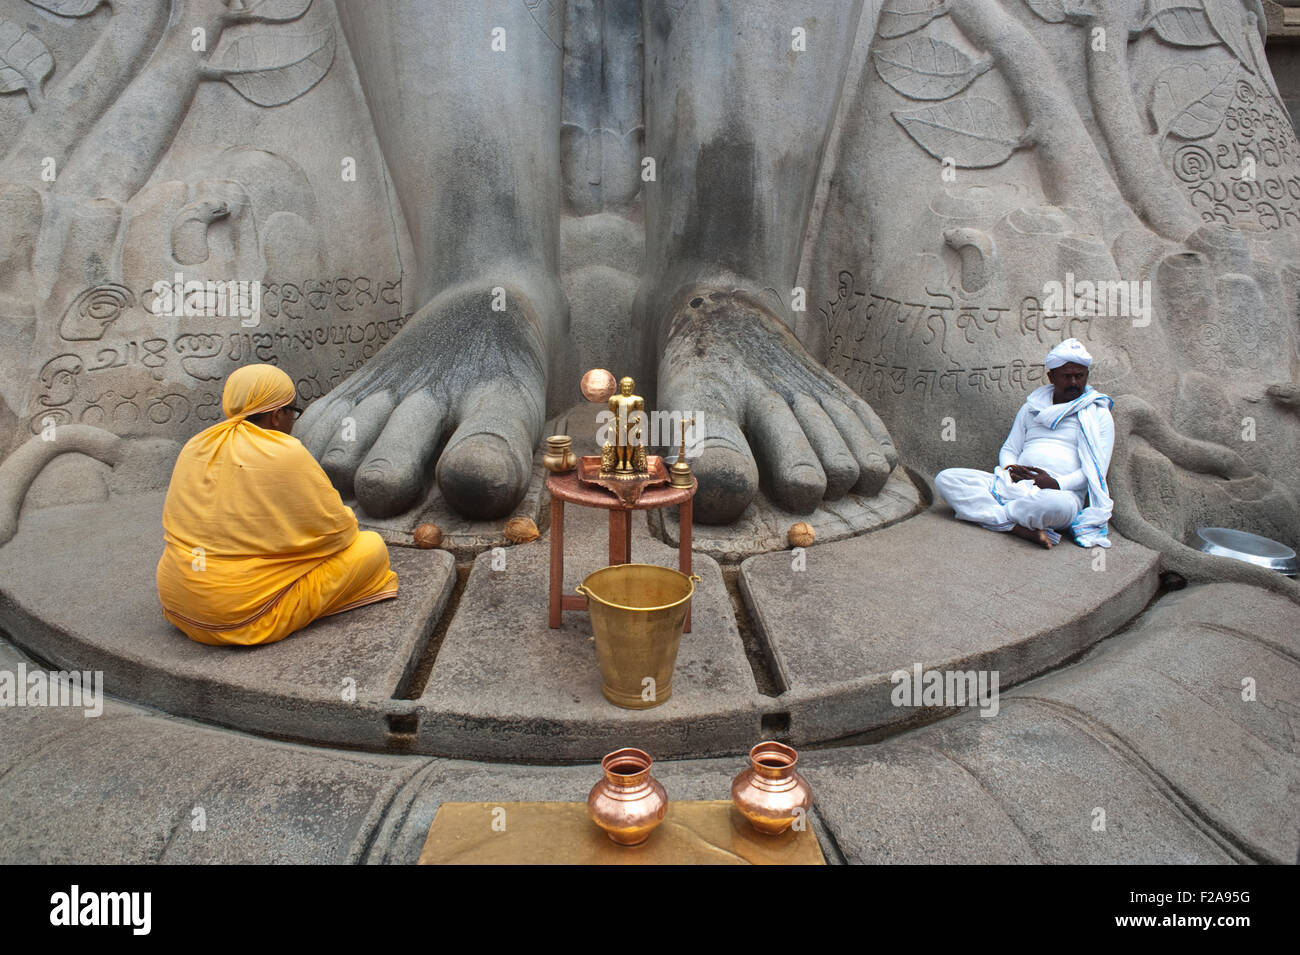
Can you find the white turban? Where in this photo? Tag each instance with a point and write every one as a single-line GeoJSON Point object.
{"type": "Point", "coordinates": [1070, 351]}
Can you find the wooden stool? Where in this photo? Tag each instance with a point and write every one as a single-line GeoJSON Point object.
{"type": "Point", "coordinates": [567, 487]}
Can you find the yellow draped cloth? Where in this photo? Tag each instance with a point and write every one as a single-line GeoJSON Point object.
{"type": "Point", "coordinates": [259, 543]}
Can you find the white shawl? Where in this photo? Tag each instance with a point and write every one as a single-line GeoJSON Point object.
{"type": "Point", "coordinates": [1092, 407]}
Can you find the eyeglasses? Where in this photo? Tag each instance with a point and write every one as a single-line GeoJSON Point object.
{"type": "Point", "coordinates": [297, 412]}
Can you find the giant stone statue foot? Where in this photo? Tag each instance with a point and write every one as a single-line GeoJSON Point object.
{"type": "Point", "coordinates": [768, 408]}
{"type": "Point", "coordinates": [458, 372]}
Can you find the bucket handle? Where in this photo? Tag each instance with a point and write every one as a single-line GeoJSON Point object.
{"type": "Point", "coordinates": [695, 578]}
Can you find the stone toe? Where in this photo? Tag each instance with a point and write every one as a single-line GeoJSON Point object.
{"type": "Point", "coordinates": [481, 477]}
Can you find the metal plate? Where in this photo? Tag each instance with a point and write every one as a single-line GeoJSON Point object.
{"type": "Point", "coordinates": [1251, 548]}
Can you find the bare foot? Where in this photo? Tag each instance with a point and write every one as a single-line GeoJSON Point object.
{"type": "Point", "coordinates": [769, 407]}
{"type": "Point", "coordinates": [1036, 537]}
{"type": "Point", "coordinates": [457, 372]}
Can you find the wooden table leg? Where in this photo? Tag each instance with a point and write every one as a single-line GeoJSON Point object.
{"type": "Point", "coordinates": [684, 549]}
{"type": "Point", "coordinates": [557, 562]}
{"type": "Point", "coordinates": [620, 536]}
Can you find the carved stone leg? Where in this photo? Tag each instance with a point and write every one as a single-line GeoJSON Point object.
{"type": "Point", "coordinates": [724, 234]}
{"type": "Point", "coordinates": [466, 101]}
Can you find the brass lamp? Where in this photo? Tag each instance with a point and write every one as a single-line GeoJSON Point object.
{"type": "Point", "coordinates": [679, 475]}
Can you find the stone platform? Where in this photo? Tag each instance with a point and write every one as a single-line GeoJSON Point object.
{"type": "Point", "coordinates": [335, 680]}
{"type": "Point", "coordinates": [1127, 737]}
{"type": "Point", "coordinates": [763, 526]}
{"type": "Point", "coordinates": [462, 537]}
{"type": "Point", "coordinates": [810, 659]}
{"type": "Point", "coordinates": [506, 684]}
{"type": "Point", "coordinates": [1145, 752]}
{"type": "Point", "coordinates": [936, 592]}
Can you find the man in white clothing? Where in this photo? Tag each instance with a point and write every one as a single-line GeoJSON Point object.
{"type": "Point", "coordinates": [1051, 471]}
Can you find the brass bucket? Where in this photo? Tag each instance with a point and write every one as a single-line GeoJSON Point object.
{"type": "Point", "coordinates": [637, 613]}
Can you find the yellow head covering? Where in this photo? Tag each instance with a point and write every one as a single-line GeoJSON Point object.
{"type": "Point", "coordinates": [254, 389]}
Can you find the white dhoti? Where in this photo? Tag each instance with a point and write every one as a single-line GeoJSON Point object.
{"type": "Point", "coordinates": [996, 503]}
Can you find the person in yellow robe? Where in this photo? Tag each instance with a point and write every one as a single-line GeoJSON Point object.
{"type": "Point", "coordinates": [259, 543]}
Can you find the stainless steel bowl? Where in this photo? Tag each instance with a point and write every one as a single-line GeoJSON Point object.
{"type": "Point", "coordinates": [1251, 548]}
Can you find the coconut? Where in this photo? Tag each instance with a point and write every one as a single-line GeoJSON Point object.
{"type": "Point", "coordinates": [428, 536]}
{"type": "Point", "coordinates": [521, 530]}
{"type": "Point", "coordinates": [800, 534]}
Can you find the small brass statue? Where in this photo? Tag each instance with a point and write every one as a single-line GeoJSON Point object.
{"type": "Point", "coordinates": [679, 475]}
{"type": "Point", "coordinates": [625, 456]}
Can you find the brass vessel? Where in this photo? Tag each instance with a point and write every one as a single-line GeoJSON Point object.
{"type": "Point", "coordinates": [559, 456]}
{"type": "Point", "coordinates": [628, 803]}
{"type": "Point", "coordinates": [770, 794]}
{"type": "Point", "coordinates": [637, 614]}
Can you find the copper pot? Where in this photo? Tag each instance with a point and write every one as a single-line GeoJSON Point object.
{"type": "Point", "coordinates": [627, 803]}
{"type": "Point", "coordinates": [770, 794]}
